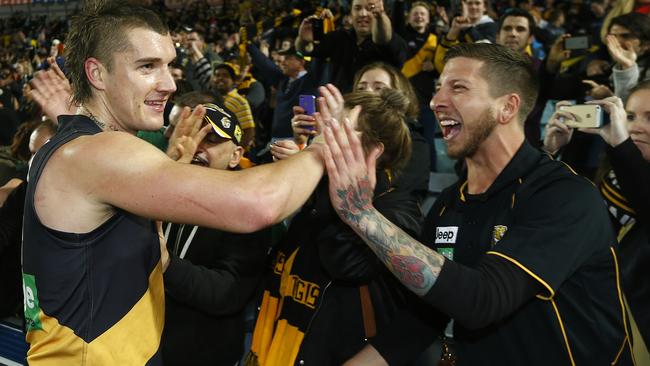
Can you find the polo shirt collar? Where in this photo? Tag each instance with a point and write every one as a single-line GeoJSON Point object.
{"type": "Point", "coordinates": [524, 160]}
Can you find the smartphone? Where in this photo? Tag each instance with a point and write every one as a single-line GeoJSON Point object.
{"type": "Point", "coordinates": [317, 29]}
{"type": "Point", "coordinates": [587, 115]}
{"type": "Point", "coordinates": [577, 43]}
{"type": "Point", "coordinates": [308, 103]}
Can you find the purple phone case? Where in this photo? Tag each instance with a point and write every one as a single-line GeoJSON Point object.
{"type": "Point", "coordinates": [308, 103]}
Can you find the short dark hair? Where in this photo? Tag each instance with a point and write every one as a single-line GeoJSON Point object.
{"type": "Point", "coordinates": [194, 98]}
{"type": "Point", "coordinates": [99, 31]}
{"type": "Point", "coordinates": [506, 71]}
{"type": "Point", "coordinates": [518, 12]}
{"type": "Point", "coordinates": [637, 24]}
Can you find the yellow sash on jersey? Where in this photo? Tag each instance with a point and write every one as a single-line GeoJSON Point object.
{"type": "Point", "coordinates": [275, 342]}
{"type": "Point", "coordinates": [413, 66]}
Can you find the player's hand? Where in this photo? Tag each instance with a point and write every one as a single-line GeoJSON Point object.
{"type": "Point", "coordinates": [186, 146]}
{"type": "Point", "coordinates": [189, 124]}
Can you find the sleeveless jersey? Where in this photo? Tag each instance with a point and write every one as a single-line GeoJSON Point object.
{"type": "Point", "coordinates": [95, 298]}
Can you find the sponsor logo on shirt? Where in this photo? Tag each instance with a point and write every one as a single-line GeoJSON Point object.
{"type": "Point", "coordinates": [31, 306]}
{"type": "Point", "coordinates": [446, 234]}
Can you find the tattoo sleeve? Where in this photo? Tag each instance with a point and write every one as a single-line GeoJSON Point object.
{"type": "Point", "coordinates": [415, 265]}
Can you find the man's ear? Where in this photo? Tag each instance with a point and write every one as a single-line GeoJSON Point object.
{"type": "Point", "coordinates": [235, 157]}
{"type": "Point", "coordinates": [95, 72]}
{"type": "Point", "coordinates": [508, 108]}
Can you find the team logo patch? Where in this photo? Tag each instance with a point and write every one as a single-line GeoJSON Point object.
{"type": "Point", "coordinates": [446, 234]}
{"type": "Point", "coordinates": [238, 133]}
{"type": "Point", "coordinates": [225, 122]}
{"type": "Point", "coordinates": [498, 233]}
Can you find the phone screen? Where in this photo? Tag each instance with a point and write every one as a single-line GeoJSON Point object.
{"type": "Point", "coordinates": [576, 43]}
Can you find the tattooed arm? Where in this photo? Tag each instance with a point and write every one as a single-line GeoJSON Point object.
{"type": "Point", "coordinates": [351, 189]}
{"type": "Point", "coordinates": [415, 265]}
{"type": "Point", "coordinates": [489, 292]}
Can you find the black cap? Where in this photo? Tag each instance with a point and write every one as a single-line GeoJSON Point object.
{"type": "Point", "coordinates": [291, 51]}
{"type": "Point", "coordinates": [224, 122]}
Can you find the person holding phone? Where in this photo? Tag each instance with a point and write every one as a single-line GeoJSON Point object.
{"type": "Point", "coordinates": [328, 294]}
{"type": "Point", "coordinates": [294, 77]}
{"type": "Point", "coordinates": [471, 25]}
{"type": "Point", "coordinates": [625, 186]}
{"type": "Point", "coordinates": [371, 39]}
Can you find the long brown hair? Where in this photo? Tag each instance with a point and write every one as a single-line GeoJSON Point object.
{"type": "Point", "coordinates": [383, 120]}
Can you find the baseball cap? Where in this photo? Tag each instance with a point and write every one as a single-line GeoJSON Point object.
{"type": "Point", "coordinates": [232, 69]}
{"type": "Point", "coordinates": [291, 51]}
{"type": "Point", "coordinates": [224, 123]}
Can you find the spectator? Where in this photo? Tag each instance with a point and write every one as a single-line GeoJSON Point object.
{"type": "Point", "coordinates": [370, 39]}
{"type": "Point", "coordinates": [472, 25]}
{"type": "Point", "coordinates": [515, 30]}
{"type": "Point", "coordinates": [628, 42]}
{"type": "Point", "coordinates": [212, 273]}
{"type": "Point", "coordinates": [555, 26]}
{"type": "Point", "coordinates": [419, 68]}
{"type": "Point", "coordinates": [624, 187]}
{"type": "Point", "coordinates": [291, 80]}
{"type": "Point", "coordinates": [223, 79]}
{"type": "Point", "coordinates": [490, 260]}
{"type": "Point", "coordinates": [327, 294]}
{"type": "Point", "coordinates": [11, 222]}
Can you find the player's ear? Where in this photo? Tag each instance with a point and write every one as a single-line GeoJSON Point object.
{"type": "Point", "coordinates": [95, 72]}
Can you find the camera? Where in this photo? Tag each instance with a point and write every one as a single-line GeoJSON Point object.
{"type": "Point", "coordinates": [586, 116]}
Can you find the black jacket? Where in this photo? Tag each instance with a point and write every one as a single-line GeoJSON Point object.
{"type": "Point", "coordinates": [633, 175]}
{"type": "Point", "coordinates": [206, 293]}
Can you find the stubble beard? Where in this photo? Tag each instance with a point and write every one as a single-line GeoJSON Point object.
{"type": "Point", "coordinates": [475, 136]}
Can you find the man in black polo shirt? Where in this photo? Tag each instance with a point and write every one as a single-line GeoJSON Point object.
{"type": "Point", "coordinates": [534, 279]}
{"type": "Point", "coordinates": [370, 39]}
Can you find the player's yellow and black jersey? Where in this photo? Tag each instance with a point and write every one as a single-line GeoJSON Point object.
{"type": "Point", "coordinates": [95, 298]}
